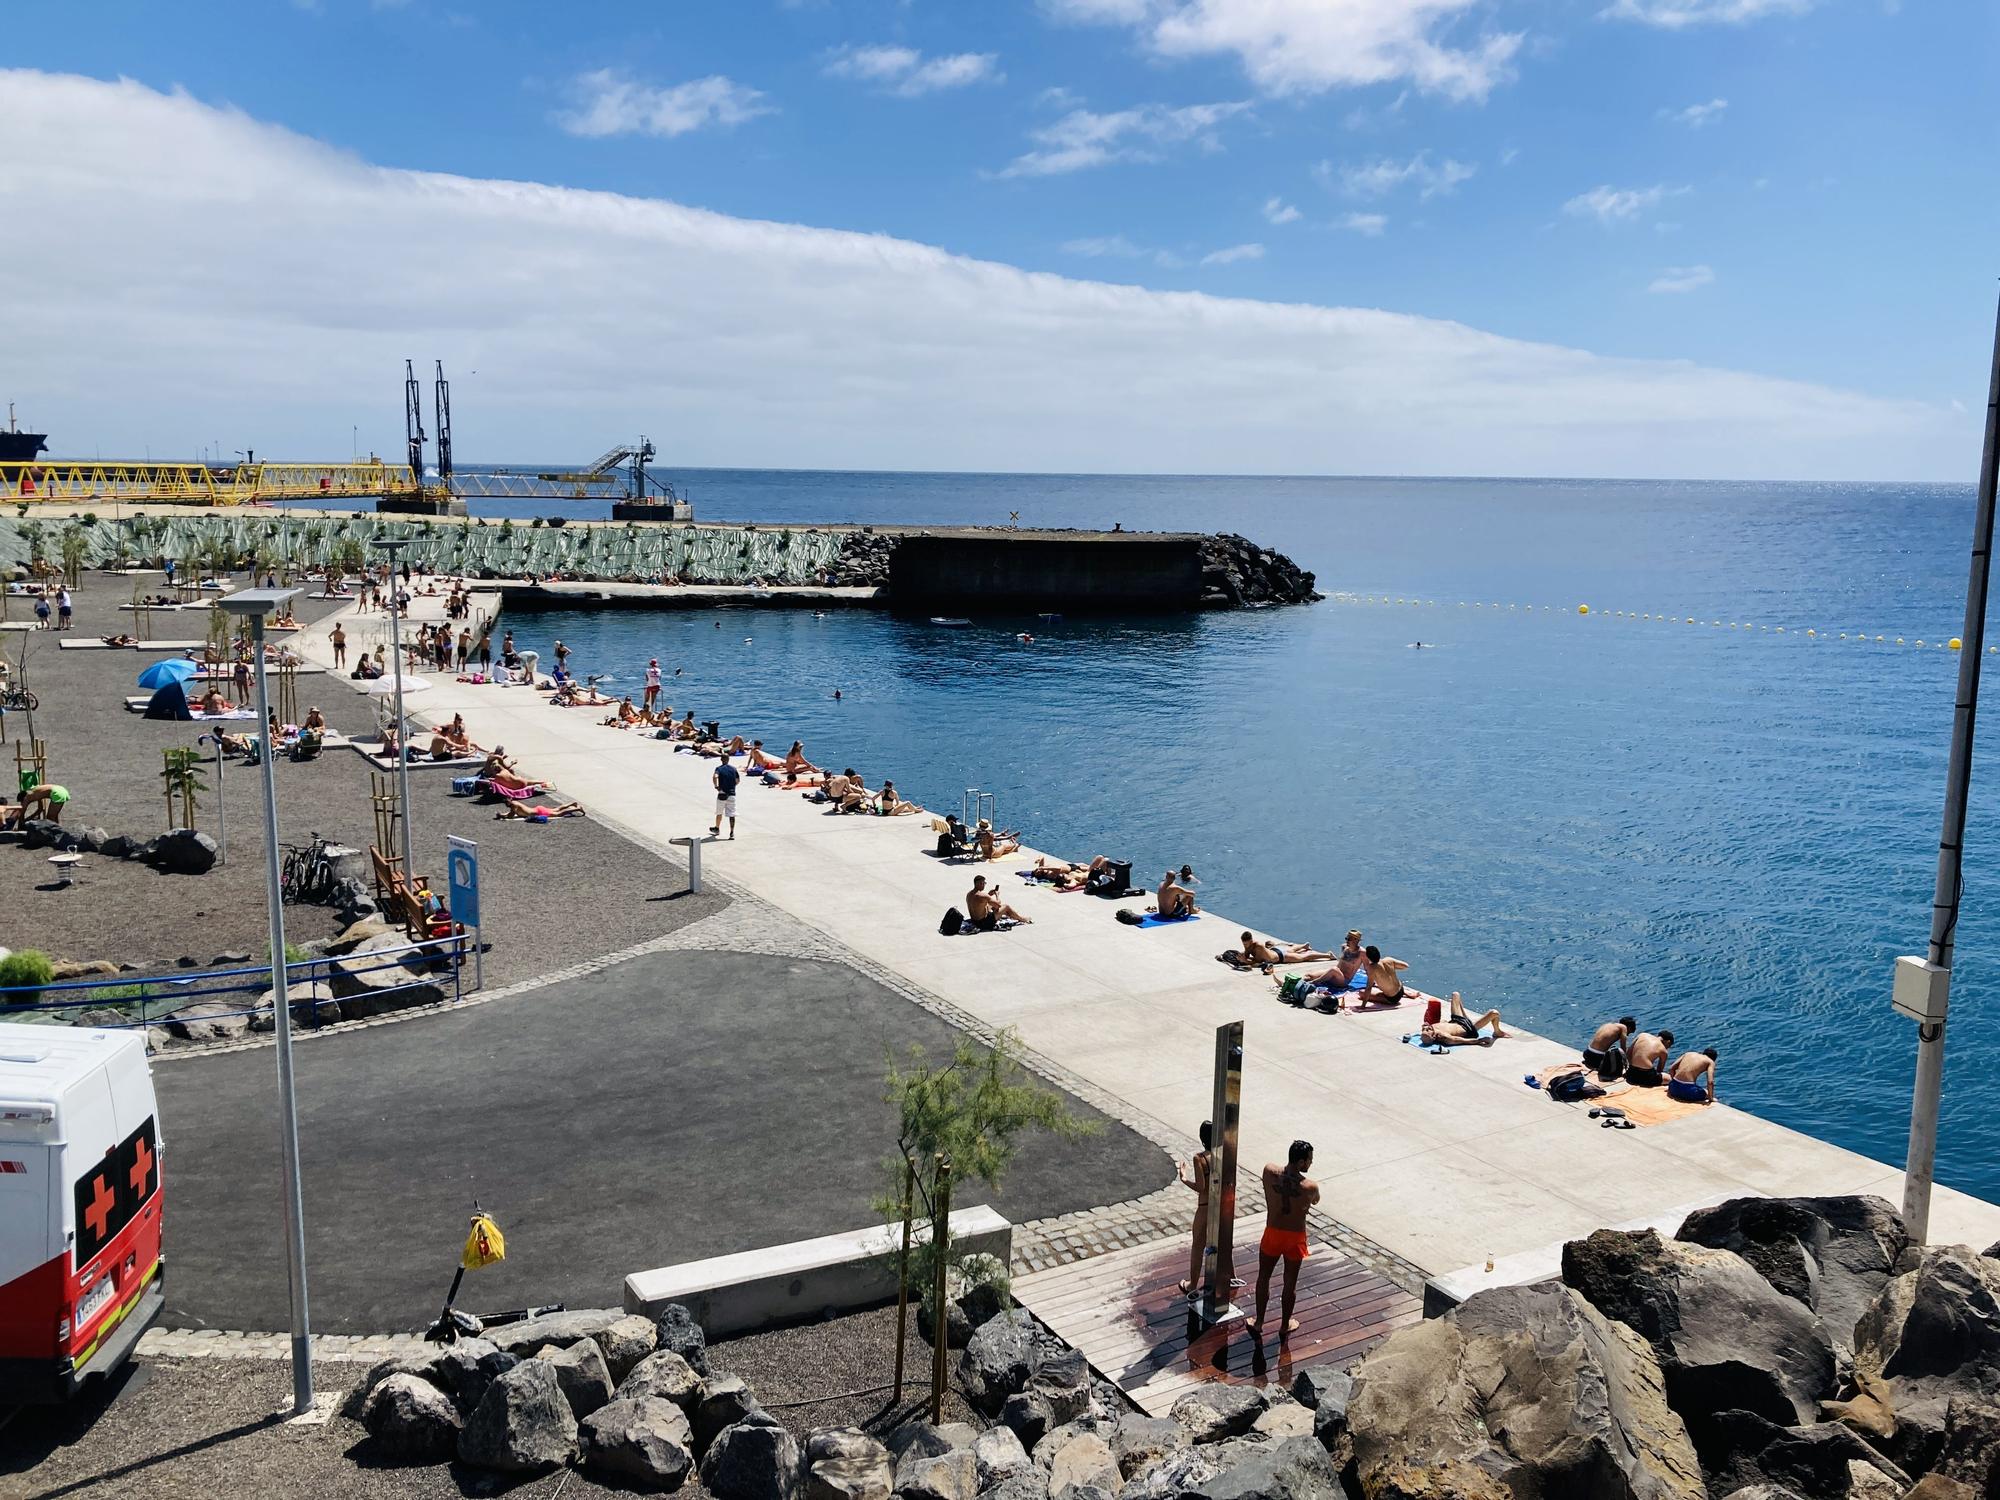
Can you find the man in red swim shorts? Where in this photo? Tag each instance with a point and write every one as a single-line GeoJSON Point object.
{"type": "Point", "coordinates": [1288, 1195]}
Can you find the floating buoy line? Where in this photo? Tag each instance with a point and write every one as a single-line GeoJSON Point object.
{"type": "Point", "coordinates": [1587, 611]}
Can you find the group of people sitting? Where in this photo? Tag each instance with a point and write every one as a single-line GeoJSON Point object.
{"type": "Point", "coordinates": [847, 792]}
{"type": "Point", "coordinates": [1619, 1049]}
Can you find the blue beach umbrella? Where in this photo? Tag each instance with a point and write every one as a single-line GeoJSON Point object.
{"type": "Point", "coordinates": [172, 669]}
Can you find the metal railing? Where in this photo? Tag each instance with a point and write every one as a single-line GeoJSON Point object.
{"type": "Point", "coordinates": [155, 999]}
{"type": "Point", "coordinates": [80, 482]}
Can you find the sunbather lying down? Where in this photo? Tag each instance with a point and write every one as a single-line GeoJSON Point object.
{"type": "Point", "coordinates": [1460, 1030]}
{"type": "Point", "coordinates": [119, 640]}
{"type": "Point", "coordinates": [533, 814]}
{"type": "Point", "coordinates": [1065, 876]}
{"type": "Point", "coordinates": [1256, 953]}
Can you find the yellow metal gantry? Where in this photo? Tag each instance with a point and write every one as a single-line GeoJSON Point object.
{"type": "Point", "coordinates": [77, 482]}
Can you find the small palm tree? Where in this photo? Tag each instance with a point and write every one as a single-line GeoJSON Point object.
{"type": "Point", "coordinates": [182, 775]}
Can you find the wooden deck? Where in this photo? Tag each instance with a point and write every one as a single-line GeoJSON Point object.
{"type": "Point", "coordinates": [1125, 1311]}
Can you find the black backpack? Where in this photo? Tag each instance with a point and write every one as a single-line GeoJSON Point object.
{"type": "Point", "coordinates": [953, 923]}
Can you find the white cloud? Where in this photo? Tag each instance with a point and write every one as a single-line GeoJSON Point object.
{"type": "Point", "coordinates": [1083, 138]}
{"type": "Point", "coordinates": [1230, 255]}
{"type": "Point", "coordinates": [608, 102]}
{"type": "Point", "coordinates": [906, 72]}
{"type": "Point", "coordinates": [1694, 116]}
{"type": "Point", "coordinates": [791, 345]}
{"type": "Point", "coordinates": [1508, 154]}
{"type": "Point", "coordinates": [1310, 46]}
{"type": "Point", "coordinates": [1682, 279]}
{"type": "Point", "coordinates": [1118, 247]}
{"type": "Point", "coordinates": [1278, 211]}
{"type": "Point", "coordinates": [1382, 176]}
{"type": "Point", "coordinates": [1370, 225]}
{"type": "Point", "coordinates": [1609, 205]}
{"type": "Point", "coordinates": [1673, 15]}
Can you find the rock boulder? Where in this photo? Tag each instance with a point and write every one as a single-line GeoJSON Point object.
{"type": "Point", "coordinates": [561, 1329]}
{"type": "Point", "coordinates": [844, 1463]}
{"type": "Point", "coordinates": [1519, 1391]}
{"type": "Point", "coordinates": [185, 851]}
{"type": "Point", "coordinates": [209, 1021]}
{"type": "Point", "coordinates": [1295, 1468]}
{"type": "Point", "coordinates": [1726, 1338]}
{"type": "Point", "coordinates": [676, 1331]}
{"type": "Point", "coordinates": [1000, 1357]}
{"type": "Point", "coordinates": [410, 1419]}
{"type": "Point", "coordinates": [952, 1475]}
{"type": "Point", "coordinates": [1931, 1335]}
{"type": "Point", "coordinates": [644, 1443]}
{"type": "Point", "coordinates": [625, 1341]}
{"type": "Point", "coordinates": [1216, 1412]}
{"type": "Point", "coordinates": [751, 1461]}
{"type": "Point", "coordinates": [1832, 1254]}
{"type": "Point", "coordinates": [522, 1424]}
{"type": "Point", "coordinates": [662, 1373]}
{"type": "Point", "coordinates": [581, 1372]}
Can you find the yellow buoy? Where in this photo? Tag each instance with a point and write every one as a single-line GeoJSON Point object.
{"type": "Point", "coordinates": [1956, 644]}
{"type": "Point", "coordinates": [1812, 632]}
{"type": "Point", "coordinates": [1583, 609]}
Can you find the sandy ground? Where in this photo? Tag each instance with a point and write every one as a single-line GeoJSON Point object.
{"type": "Point", "coordinates": [188, 1428]}
{"type": "Point", "coordinates": [551, 893]}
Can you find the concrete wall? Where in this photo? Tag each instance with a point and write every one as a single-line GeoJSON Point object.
{"type": "Point", "coordinates": [1002, 571]}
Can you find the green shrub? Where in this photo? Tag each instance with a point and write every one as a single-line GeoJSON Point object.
{"type": "Point", "coordinates": [26, 972]}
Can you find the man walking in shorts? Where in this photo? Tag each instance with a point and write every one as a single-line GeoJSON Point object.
{"type": "Point", "coordinates": [1288, 1195]}
{"type": "Point", "coordinates": [726, 777]}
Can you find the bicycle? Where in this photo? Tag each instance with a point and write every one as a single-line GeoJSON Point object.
{"type": "Point", "coordinates": [14, 698]}
{"type": "Point", "coordinates": [307, 874]}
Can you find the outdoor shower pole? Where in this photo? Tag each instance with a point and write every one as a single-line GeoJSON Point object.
{"type": "Point", "coordinates": [394, 546]}
{"type": "Point", "coordinates": [1929, 1089]}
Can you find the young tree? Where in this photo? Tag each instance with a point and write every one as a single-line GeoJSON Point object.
{"type": "Point", "coordinates": [182, 776]}
{"type": "Point", "coordinates": [971, 1112]}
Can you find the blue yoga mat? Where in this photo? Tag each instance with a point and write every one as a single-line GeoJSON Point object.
{"type": "Point", "coordinates": [1153, 919]}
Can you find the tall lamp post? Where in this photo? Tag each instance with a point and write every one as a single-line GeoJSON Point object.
{"type": "Point", "coordinates": [394, 547]}
{"type": "Point", "coordinates": [1923, 985]}
{"type": "Point", "coordinates": [255, 605]}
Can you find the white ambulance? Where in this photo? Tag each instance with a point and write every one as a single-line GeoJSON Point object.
{"type": "Point", "coordinates": [80, 1206]}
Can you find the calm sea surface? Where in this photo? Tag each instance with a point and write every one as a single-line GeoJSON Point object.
{"type": "Point", "coordinates": [1729, 833]}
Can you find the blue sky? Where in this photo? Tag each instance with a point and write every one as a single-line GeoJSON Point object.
{"type": "Point", "coordinates": [1777, 187]}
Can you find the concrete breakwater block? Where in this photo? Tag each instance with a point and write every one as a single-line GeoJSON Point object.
{"type": "Point", "coordinates": [837, 1272]}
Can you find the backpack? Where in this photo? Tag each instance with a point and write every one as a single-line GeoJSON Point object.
{"type": "Point", "coordinates": [1129, 917]}
{"type": "Point", "coordinates": [953, 923]}
{"type": "Point", "coordinates": [1568, 1088]}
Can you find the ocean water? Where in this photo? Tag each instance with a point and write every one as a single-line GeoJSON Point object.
{"type": "Point", "coordinates": [1729, 832]}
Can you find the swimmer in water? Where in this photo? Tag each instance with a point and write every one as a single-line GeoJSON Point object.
{"type": "Point", "coordinates": [836, 695]}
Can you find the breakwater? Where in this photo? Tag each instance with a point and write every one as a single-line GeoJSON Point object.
{"type": "Point", "coordinates": [914, 569]}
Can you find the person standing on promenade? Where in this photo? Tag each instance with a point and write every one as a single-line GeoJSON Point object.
{"type": "Point", "coordinates": [652, 684]}
{"type": "Point", "coordinates": [562, 657]}
{"type": "Point", "coordinates": [464, 649]}
{"type": "Point", "coordinates": [725, 779]}
{"type": "Point", "coordinates": [485, 653]}
{"type": "Point", "coordinates": [339, 639]}
{"type": "Point", "coordinates": [1194, 1174]}
{"type": "Point", "coordinates": [1288, 1196]}
{"type": "Point", "coordinates": [65, 608]}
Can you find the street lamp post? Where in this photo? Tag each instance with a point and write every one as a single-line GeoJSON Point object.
{"type": "Point", "coordinates": [255, 605]}
{"type": "Point", "coordinates": [394, 547]}
{"type": "Point", "coordinates": [1923, 985]}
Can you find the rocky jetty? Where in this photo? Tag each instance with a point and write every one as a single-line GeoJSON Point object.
{"type": "Point", "coordinates": [1236, 573]}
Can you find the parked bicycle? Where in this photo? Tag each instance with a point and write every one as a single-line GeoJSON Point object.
{"type": "Point", "coordinates": [16, 698]}
{"type": "Point", "coordinates": [307, 873]}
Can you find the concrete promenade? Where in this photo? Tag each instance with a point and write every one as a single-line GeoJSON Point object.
{"type": "Point", "coordinates": [1448, 1161]}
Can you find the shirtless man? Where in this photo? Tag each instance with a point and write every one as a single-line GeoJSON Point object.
{"type": "Point", "coordinates": [1173, 899]}
{"type": "Point", "coordinates": [1646, 1059]}
{"type": "Point", "coordinates": [1193, 1173]}
{"type": "Point", "coordinates": [986, 909]}
{"type": "Point", "coordinates": [1606, 1053]}
{"type": "Point", "coordinates": [1692, 1077]}
{"type": "Point", "coordinates": [1460, 1030]}
{"type": "Point", "coordinates": [762, 759]}
{"type": "Point", "coordinates": [1288, 1195]}
{"type": "Point", "coordinates": [1385, 979]}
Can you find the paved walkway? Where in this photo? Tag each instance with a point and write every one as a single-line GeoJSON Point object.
{"type": "Point", "coordinates": [1446, 1161]}
{"type": "Point", "coordinates": [672, 1107]}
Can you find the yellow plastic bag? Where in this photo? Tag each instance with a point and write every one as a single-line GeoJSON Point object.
{"type": "Point", "coordinates": [484, 1245]}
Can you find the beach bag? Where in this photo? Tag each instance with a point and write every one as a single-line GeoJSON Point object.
{"type": "Point", "coordinates": [1130, 917]}
{"type": "Point", "coordinates": [1293, 990]}
{"type": "Point", "coordinates": [464, 786]}
{"type": "Point", "coordinates": [953, 923]}
{"type": "Point", "coordinates": [1568, 1088]}
{"type": "Point", "coordinates": [946, 846]}
{"type": "Point", "coordinates": [1114, 881]}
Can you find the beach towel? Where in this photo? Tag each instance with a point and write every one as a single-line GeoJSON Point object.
{"type": "Point", "coordinates": [1651, 1106]}
{"type": "Point", "coordinates": [1154, 919]}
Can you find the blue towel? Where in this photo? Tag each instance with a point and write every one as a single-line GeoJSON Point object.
{"type": "Point", "coordinates": [1153, 919]}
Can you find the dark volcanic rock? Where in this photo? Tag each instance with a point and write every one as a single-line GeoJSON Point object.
{"type": "Point", "coordinates": [1726, 1338]}
{"type": "Point", "coordinates": [1832, 1254]}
